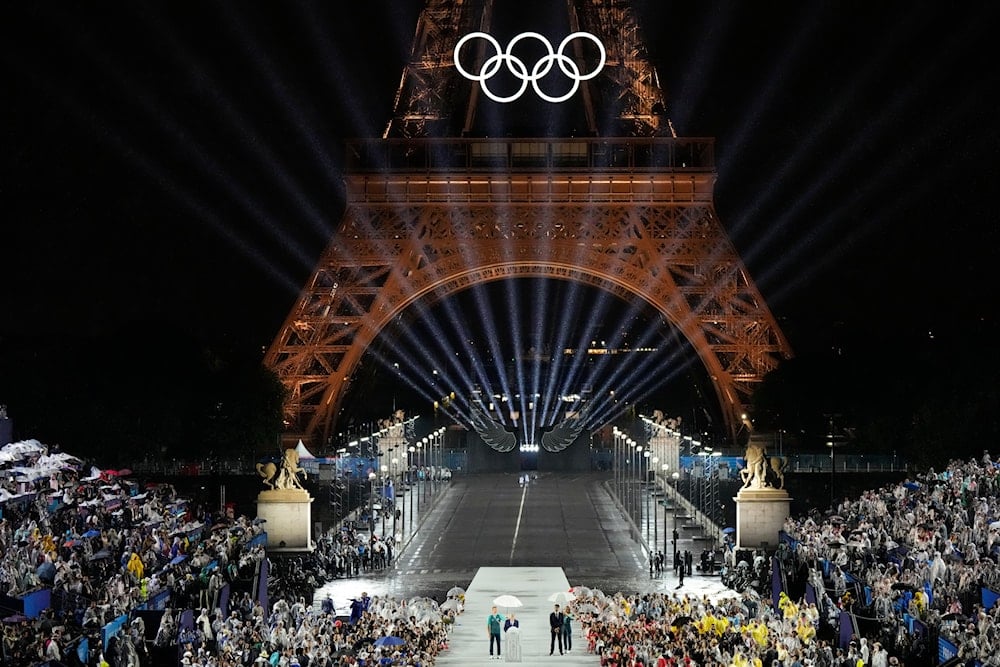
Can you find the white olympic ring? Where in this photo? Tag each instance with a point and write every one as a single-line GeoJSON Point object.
{"type": "Point", "coordinates": [517, 67]}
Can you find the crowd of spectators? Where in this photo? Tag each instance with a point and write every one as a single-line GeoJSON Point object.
{"type": "Point", "coordinates": [923, 549]}
{"type": "Point", "coordinates": [677, 629]}
{"type": "Point", "coordinates": [103, 548]}
{"type": "Point", "coordinates": [918, 552]}
{"type": "Point", "coordinates": [910, 561]}
{"type": "Point", "coordinates": [380, 631]}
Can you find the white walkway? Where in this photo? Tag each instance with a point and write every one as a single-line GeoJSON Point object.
{"type": "Point", "coordinates": [469, 643]}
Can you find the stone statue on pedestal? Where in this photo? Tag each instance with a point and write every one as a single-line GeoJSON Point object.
{"type": "Point", "coordinates": [285, 505]}
{"type": "Point", "coordinates": [283, 475]}
{"type": "Point", "coordinates": [763, 472]}
{"type": "Point", "coordinates": [762, 505]}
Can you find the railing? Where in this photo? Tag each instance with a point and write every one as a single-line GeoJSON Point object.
{"type": "Point", "coordinates": [806, 463]}
{"type": "Point", "coordinates": [490, 155]}
{"type": "Point", "coordinates": [195, 468]}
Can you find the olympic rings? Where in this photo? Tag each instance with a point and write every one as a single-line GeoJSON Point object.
{"type": "Point", "coordinates": [517, 67]}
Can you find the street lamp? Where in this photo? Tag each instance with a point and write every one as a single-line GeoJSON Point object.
{"type": "Point", "coordinates": [673, 539]}
{"type": "Point", "coordinates": [654, 461]}
{"type": "Point", "coordinates": [631, 476]}
{"type": "Point", "coordinates": [421, 465]}
{"type": "Point", "coordinates": [392, 473]}
{"type": "Point", "coordinates": [382, 502]}
{"type": "Point", "coordinates": [645, 494]}
{"type": "Point", "coordinates": [371, 501]}
{"type": "Point", "coordinates": [440, 447]}
{"type": "Point", "coordinates": [409, 468]}
{"type": "Point", "coordinates": [665, 469]}
{"type": "Point", "coordinates": [616, 461]}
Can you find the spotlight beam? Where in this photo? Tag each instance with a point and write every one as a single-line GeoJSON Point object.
{"type": "Point", "coordinates": [260, 150]}
{"type": "Point", "coordinates": [131, 153]}
{"type": "Point", "coordinates": [180, 139]}
{"type": "Point", "coordinates": [281, 93]}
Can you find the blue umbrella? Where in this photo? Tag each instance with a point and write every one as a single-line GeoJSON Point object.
{"type": "Point", "coordinates": [91, 533]}
{"type": "Point", "coordinates": [389, 641]}
{"type": "Point", "coordinates": [728, 529]}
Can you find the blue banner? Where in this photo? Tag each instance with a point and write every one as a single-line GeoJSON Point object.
{"type": "Point", "coordinates": [989, 597]}
{"type": "Point", "coordinates": [946, 650]}
{"type": "Point", "coordinates": [36, 602]}
{"type": "Point", "coordinates": [776, 588]}
{"type": "Point", "coordinates": [846, 630]}
{"type": "Point", "coordinates": [262, 586]}
{"type": "Point", "coordinates": [112, 629]}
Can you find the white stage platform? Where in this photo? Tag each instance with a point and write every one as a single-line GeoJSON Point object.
{"type": "Point", "coordinates": [470, 645]}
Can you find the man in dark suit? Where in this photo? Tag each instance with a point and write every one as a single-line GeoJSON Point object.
{"type": "Point", "coordinates": [555, 629]}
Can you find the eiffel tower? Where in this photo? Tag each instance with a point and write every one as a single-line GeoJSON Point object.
{"type": "Point", "coordinates": [605, 195]}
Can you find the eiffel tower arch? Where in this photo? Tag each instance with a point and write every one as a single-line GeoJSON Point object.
{"type": "Point", "coordinates": [433, 209]}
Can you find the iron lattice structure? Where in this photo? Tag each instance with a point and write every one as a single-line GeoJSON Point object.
{"type": "Point", "coordinates": [430, 212]}
{"type": "Point", "coordinates": [433, 100]}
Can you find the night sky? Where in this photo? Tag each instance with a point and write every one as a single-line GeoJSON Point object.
{"type": "Point", "coordinates": [176, 165]}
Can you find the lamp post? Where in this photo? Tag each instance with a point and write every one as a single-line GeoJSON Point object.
{"type": "Point", "coordinates": [647, 456]}
{"type": "Point", "coordinates": [665, 469]}
{"type": "Point", "coordinates": [409, 467]}
{"type": "Point", "coordinates": [673, 538]}
{"type": "Point", "coordinates": [439, 460]}
{"type": "Point", "coordinates": [631, 477]}
{"type": "Point", "coordinates": [422, 450]}
{"type": "Point", "coordinates": [395, 513]}
{"type": "Point", "coordinates": [384, 469]}
{"type": "Point", "coordinates": [656, 530]}
{"type": "Point", "coordinates": [639, 459]}
{"type": "Point", "coordinates": [371, 500]}
{"type": "Point", "coordinates": [616, 461]}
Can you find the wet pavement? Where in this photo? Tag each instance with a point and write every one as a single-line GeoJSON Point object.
{"type": "Point", "coordinates": [563, 520]}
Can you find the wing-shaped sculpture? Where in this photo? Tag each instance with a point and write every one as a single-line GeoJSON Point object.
{"type": "Point", "coordinates": [491, 431]}
{"type": "Point", "coordinates": [563, 434]}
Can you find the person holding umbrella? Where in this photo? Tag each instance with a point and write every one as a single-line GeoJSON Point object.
{"type": "Point", "coordinates": [494, 623]}
{"type": "Point", "coordinates": [512, 637]}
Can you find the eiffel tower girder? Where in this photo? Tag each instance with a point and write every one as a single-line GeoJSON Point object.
{"type": "Point", "coordinates": [643, 228]}
{"type": "Point", "coordinates": [433, 100]}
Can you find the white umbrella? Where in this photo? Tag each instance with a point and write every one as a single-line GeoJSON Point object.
{"type": "Point", "coordinates": [507, 601]}
{"type": "Point", "coordinates": [562, 596]}
{"type": "Point", "coordinates": [422, 602]}
{"type": "Point", "coordinates": [449, 605]}
{"type": "Point", "coordinates": [455, 591]}
{"type": "Point", "coordinates": [429, 617]}
{"type": "Point", "coordinates": [582, 591]}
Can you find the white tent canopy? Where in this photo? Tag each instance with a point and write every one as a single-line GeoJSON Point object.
{"type": "Point", "coordinates": [303, 453]}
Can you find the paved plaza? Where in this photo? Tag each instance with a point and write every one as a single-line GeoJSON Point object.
{"type": "Point", "coordinates": [490, 535]}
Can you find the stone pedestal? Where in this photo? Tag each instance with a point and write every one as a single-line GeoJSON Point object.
{"type": "Point", "coordinates": [760, 515]}
{"type": "Point", "coordinates": [288, 519]}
